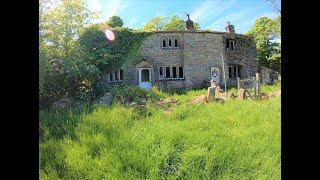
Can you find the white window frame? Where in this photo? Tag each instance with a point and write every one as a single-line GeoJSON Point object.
{"type": "Point", "coordinates": [113, 72]}
{"type": "Point", "coordinates": [166, 39]}
{"type": "Point", "coordinates": [174, 39]}
{"type": "Point", "coordinates": [170, 39]}
{"type": "Point", "coordinates": [165, 77]}
{"type": "Point", "coordinates": [163, 72]}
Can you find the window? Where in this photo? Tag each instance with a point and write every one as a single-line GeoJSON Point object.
{"type": "Point", "coordinates": [170, 43]}
{"type": "Point", "coordinates": [116, 75]}
{"type": "Point", "coordinates": [175, 43]}
{"type": "Point", "coordinates": [161, 73]}
{"type": "Point", "coordinates": [174, 72]}
{"type": "Point", "coordinates": [168, 72]}
{"type": "Point", "coordinates": [121, 74]}
{"type": "Point", "coordinates": [230, 72]}
{"type": "Point", "coordinates": [111, 76]}
{"type": "Point", "coordinates": [229, 45]}
{"type": "Point", "coordinates": [180, 72]}
{"type": "Point", "coordinates": [235, 71]}
{"type": "Point", "coordinates": [164, 43]}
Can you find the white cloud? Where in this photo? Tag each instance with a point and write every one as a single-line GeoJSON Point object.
{"type": "Point", "coordinates": [112, 8]}
{"type": "Point", "coordinates": [210, 8]}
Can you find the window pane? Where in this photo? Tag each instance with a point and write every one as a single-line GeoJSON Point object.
{"type": "Point", "coordinates": [111, 76]}
{"type": "Point", "coordinates": [170, 43]}
{"type": "Point", "coordinates": [235, 71]}
{"type": "Point", "coordinates": [239, 72]}
{"type": "Point", "coordinates": [164, 43]}
{"type": "Point", "coordinates": [167, 72]}
{"type": "Point", "coordinates": [145, 75]}
{"type": "Point", "coordinates": [161, 72]}
{"type": "Point", "coordinates": [174, 72]}
{"type": "Point", "coordinates": [176, 43]}
{"type": "Point", "coordinates": [232, 45]}
{"type": "Point", "coordinates": [230, 72]}
{"type": "Point", "coordinates": [180, 72]}
{"type": "Point", "coordinates": [227, 44]}
{"type": "Point", "coordinates": [116, 77]}
{"type": "Point", "coordinates": [121, 74]}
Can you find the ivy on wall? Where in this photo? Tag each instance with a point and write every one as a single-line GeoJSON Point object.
{"type": "Point", "coordinates": [106, 54]}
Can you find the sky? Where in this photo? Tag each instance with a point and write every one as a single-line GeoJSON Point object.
{"type": "Point", "coordinates": [210, 14]}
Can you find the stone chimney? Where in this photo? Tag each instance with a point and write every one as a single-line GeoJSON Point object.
{"type": "Point", "coordinates": [230, 28]}
{"type": "Point", "coordinates": [189, 24]}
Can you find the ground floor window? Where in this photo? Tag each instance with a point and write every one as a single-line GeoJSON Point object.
{"type": "Point", "coordinates": [235, 71]}
{"type": "Point", "coordinates": [170, 72]}
{"type": "Point", "coordinates": [116, 75]}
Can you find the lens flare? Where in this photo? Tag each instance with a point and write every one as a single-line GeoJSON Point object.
{"type": "Point", "coordinates": [109, 34]}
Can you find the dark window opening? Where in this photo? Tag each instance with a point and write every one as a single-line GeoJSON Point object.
{"type": "Point", "coordinates": [239, 72]}
{"type": "Point", "coordinates": [229, 45]}
{"type": "Point", "coordinates": [170, 44]}
{"type": "Point", "coordinates": [164, 43]}
{"type": "Point", "coordinates": [230, 72]}
{"type": "Point", "coordinates": [234, 71]}
{"type": "Point", "coordinates": [167, 72]}
{"type": "Point", "coordinates": [180, 72]}
{"type": "Point", "coordinates": [175, 42]}
{"type": "Point", "coordinates": [116, 77]}
{"type": "Point", "coordinates": [111, 76]}
{"type": "Point", "coordinates": [121, 74]}
{"type": "Point", "coordinates": [160, 72]}
{"type": "Point", "coordinates": [174, 72]}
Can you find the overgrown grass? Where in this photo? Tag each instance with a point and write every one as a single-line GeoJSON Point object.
{"type": "Point", "coordinates": [234, 140]}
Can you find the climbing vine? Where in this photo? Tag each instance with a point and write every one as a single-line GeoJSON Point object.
{"type": "Point", "coordinates": [106, 54]}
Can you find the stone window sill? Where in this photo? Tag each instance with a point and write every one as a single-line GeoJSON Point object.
{"type": "Point", "coordinates": [172, 79]}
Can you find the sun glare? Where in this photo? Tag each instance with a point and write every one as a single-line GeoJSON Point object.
{"type": "Point", "coordinates": [109, 34]}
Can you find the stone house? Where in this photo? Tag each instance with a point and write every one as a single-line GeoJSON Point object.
{"type": "Point", "coordinates": [189, 59]}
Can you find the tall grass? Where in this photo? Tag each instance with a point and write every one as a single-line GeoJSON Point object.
{"type": "Point", "coordinates": [234, 140]}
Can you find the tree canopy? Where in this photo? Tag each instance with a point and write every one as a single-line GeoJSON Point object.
{"type": "Point", "coordinates": [266, 32]}
{"type": "Point", "coordinates": [173, 23]}
{"type": "Point", "coordinates": [115, 21]}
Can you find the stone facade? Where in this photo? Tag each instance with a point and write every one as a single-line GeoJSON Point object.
{"type": "Point", "coordinates": [198, 55]}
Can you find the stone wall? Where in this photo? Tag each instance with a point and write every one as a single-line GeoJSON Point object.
{"type": "Point", "coordinates": [197, 53]}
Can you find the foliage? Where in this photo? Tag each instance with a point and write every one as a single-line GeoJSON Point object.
{"type": "Point", "coordinates": [275, 5]}
{"type": "Point", "coordinates": [173, 23]}
{"type": "Point", "coordinates": [236, 140]}
{"type": "Point", "coordinates": [265, 31]}
{"type": "Point", "coordinates": [106, 54]}
{"type": "Point", "coordinates": [115, 21]}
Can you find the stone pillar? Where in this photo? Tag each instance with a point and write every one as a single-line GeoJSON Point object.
{"type": "Point", "coordinates": [211, 94]}
{"type": "Point", "coordinates": [258, 84]}
{"type": "Point", "coordinates": [242, 93]}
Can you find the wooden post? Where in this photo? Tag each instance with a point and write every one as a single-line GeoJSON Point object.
{"type": "Point", "coordinates": [258, 84]}
{"type": "Point", "coordinates": [238, 81]}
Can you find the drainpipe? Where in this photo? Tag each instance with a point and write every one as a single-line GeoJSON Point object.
{"type": "Point", "coordinates": [224, 74]}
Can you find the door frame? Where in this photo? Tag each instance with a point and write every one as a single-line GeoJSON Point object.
{"type": "Point", "coordinates": [140, 69]}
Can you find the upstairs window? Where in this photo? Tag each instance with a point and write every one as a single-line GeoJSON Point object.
{"type": "Point", "coordinates": [164, 43]}
{"type": "Point", "coordinates": [170, 43]}
{"type": "Point", "coordinates": [111, 76]}
{"type": "Point", "coordinates": [176, 43]}
{"type": "Point", "coordinates": [230, 45]}
{"type": "Point", "coordinates": [121, 74]}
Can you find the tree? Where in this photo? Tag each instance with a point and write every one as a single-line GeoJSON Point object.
{"type": "Point", "coordinates": [275, 5]}
{"type": "Point", "coordinates": [154, 24]}
{"type": "Point", "coordinates": [173, 23]}
{"type": "Point", "coordinates": [265, 31]}
{"type": "Point", "coordinates": [115, 21]}
{"type": "Point", "coordinates": [61, 25]}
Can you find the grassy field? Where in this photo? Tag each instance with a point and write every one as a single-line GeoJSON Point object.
{"type": "Point", "coordinates": [233, 140]}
